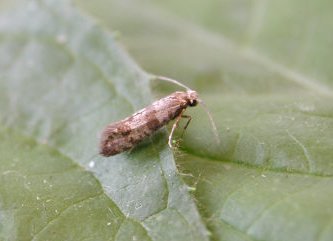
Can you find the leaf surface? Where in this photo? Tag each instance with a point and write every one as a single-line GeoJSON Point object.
{"type": "Point", "coordinates": [263, 68]}
{"type": "Point", "coordinates": [63, 78]}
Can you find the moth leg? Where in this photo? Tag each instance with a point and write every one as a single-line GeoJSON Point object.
{"type": "Point", "coordinates": [189, 118]}
{"type": "Point", "coordinates": [174, 126]}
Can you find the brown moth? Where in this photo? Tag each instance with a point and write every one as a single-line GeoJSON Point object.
{"type": "Point", "coordinates": [125, 134]}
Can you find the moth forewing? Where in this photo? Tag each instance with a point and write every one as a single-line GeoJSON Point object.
{"type": "Point", "coordinates": [125, 134]}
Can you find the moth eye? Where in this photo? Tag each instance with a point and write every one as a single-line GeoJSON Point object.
{"type": "Point", "coordinates": [193, 102]}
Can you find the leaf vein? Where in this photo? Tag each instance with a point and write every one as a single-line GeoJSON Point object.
{"type": "Point", "coordinates": [64, 211]}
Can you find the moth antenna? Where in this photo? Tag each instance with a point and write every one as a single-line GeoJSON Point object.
{"type": "Point", "coordinates": [172, 81]}
{"type": "Point", "coordinates": [212, 122]}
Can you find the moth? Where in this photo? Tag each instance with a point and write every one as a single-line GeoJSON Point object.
{"type": "Point", "coordinates": [125, 134]}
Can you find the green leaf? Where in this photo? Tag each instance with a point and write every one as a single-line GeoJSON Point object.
{"type": "Point", "coordinates": [62, 79]}
{"type": "Point", "coordinates": [263, 68]}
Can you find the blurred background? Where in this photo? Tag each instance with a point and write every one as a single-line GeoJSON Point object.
{"type": "Point", "coordinates": [246, 46]}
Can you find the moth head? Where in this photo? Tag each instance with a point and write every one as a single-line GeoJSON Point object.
{"type": "Point", "coordinates": [192, 97]}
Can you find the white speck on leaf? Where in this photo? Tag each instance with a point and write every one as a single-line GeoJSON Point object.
{"type": "Point", "coordinates": [138, 205]}
{"type": "Point", "coordinates": [91, 164]}
{"type": "Point", "coordinates": [306, 108]}
{"type": "Point", "coordinates": [61, 38]}
{"type": "Point", "coordinates": [191, 189]}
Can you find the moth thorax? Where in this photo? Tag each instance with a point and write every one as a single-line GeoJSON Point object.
{"type": "Point", "coordinates": [192, 97]}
